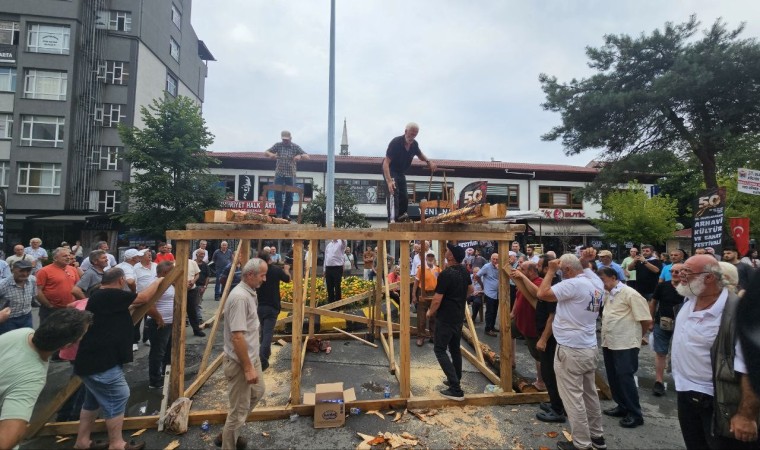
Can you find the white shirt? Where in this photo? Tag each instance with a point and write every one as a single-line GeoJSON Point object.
{"type": "Point", "coordinates": [624, 310]}
{"type": "Point", "coordinates": [693, 338]}
{"type": "Point", "coordinates": [415, 264]}
{"type": "Point", "coordinates": [205, 257]}
{"type": "Point", "coordinates": [578, 301]}
{"type": "Point", "coordinates": [144, 276]}
{"type": "Point", "coordinates": [334, 251]}
{"type": "Point", "coordinates": [192, 271]}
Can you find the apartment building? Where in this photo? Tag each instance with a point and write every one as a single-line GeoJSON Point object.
{"type": "Point", "coordinates": [70, 72]}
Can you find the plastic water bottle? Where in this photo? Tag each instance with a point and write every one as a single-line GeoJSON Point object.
{"type": "Point", "coordinates": [387, 391]}
{"type": "Point", "coordinates": [205, 426]}
{"type": "Point", "coordinates": [355, 411]}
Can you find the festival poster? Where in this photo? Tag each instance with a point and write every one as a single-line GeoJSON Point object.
{"type": "Point", "coordinates": [709, 209]}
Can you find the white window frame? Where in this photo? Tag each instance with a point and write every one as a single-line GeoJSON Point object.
{"type": "Point", "coordinates": [120, 21]}
{"type": "Point", "coordinates": [6, 126]}
{"type": "Point", "coordinates": [34, 78]}
{"type": "Point", "coordinates": [9, 32]}
{"type": "Point", "coordinates": [113, 72]}
{"type": "Point", "coordinates": [7, 79]}
{"type": "Point", "coordinates": [172, 80]}
{"type": "Point", "coordinates": [47, 170]}
{"type": "Point", "coordinates": [176, 17]}
{"type": "Point", "coordinates": [107, 157]}
{"type": "Point", "coordinates": [109, 114]}
{"type": "Point", "coordinates": [30, 122]}
{"type": "Point", "coordinates": [109, 201]}
{"type": "Point", "coordinates": [174, 49]}
{"type": "Point", "coordinates": [5, 173]}
{"type": "Point", "coordinates": [37, 32]}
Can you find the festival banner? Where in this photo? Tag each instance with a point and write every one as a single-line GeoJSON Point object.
{"type": "Point", "coordinates": [709, 210]}
{"type": "Point", "coordinates": [473, 193]}
{"type": "Point", "coordinates": [257, 207]}
{"type": "Point", "coordinates": [740, 233]}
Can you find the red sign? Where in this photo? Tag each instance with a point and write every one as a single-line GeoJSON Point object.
{"type": "Point", "coordinates": [253, 206]}
{"type": "Point", "coordinates": [740, 232]}
{"type": "Point", "coordinates": [560, 214]}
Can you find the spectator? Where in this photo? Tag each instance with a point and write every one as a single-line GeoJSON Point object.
{"type": "Point", "coordinates": [662, 307]}
{"type": "Point", "coordinates": [489, 277]}
{"type": "Point", "coordinates": [160, 320]}
{"type": "Point", "coordinates": [193, 294]}
{"type": "Point", "coordinates": [220, 259]}
{"type": "Point", "coordinates": [55, 283]}
{"type": "Point", "coordinates": [368, 256]}
{"type": "Point", "coordinates": [164, 253]}
{"type": "Point", "coordinates": [36, 251]}
{"type": "Point", "coordinates": [423, 291]}
{"type": "Point", "coordinates": [201, 246]}
{"type": "Point", "coordinates": [476, 299]}
{"type": "Point", "coordinates": [17, 293]}
{"type": "Point", "coordinates": [269, 306]}
{"type": "Point", "coordinates": [287, 154]}
{"type": "Point", "coordinates": [102, 245]}
{"type": "Point", "coordinates": [648, 268]}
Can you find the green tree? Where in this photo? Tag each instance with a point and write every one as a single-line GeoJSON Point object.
{"type": "Point", "coordinates": [666, 91]}
{"type": "Point", "coordinates": [170, 185]}
{"type": "Point", "coordinates": [346, 213]}
{"type": "Point", "coordinates": [631, 215]}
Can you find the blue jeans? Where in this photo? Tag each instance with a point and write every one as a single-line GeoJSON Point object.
{"type": "Point", "coordinates": [14, 323]}
{"type": "Point", "coordinates": [449, 336]}
{"type": "Point", "coordinates": [283, 210]}
{"type": "Point", "coordinates": [160, 351]}
{"type": "Point", "coordinates": [107, 390]}
{"type": "Point", "coordinates": [621, 365]}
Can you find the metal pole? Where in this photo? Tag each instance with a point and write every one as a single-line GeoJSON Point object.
{"type": "Point", "coordinates": [330, 182]}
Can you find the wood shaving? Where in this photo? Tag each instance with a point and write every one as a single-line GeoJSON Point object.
{"type": "Point", "coordinates": [552, 434]}
{"type": "Point", "coordinates": [568, 436]}
{"type": "Point", "coordinates": [62, 439]}
{"type": "Point", "coordinates": [172, 445]}
{"type": "Point", "coordinates": [139, 432]}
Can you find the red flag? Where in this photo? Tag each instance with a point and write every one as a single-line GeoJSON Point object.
{"type": "Point", "coordinates": [740, 233]}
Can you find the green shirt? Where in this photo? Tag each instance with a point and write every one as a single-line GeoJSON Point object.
{"type": "Point", "coordinates": [631, 273]}
{"type": "Point", "coordinates": [22, 375]}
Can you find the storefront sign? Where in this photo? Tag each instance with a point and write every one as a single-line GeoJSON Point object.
{"type": "Point", "coordinates": [7, 54]}
{"type": "Point", "coordinates": [561, 214]}
{"type": "Point", "coordinates": [749, 181]}
{"type": "Point", "coordinates": [253, 206]}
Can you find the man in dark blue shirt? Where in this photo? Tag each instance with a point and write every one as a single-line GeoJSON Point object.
{"type": "Point", "coordinates": [398, 158]}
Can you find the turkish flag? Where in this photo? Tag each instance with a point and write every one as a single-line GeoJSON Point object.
{"type": "Point", "coordinates": [740, 232]}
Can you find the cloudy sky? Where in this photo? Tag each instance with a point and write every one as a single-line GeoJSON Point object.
{"type": "Point", "coordinates": [466, 71]}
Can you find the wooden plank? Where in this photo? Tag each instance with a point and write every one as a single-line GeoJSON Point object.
{"type": "Point", "coordinates": [376, 312]}
{"type": "Point", "coordinates": [246, 226]}
{"type": "Point", "coordinates": [38, 421]}
{"type": "Point", "coordinates": [382, 260]}
{"type": "Point", "coordinates": [337, 314]}
{"type": "Point", "coordinates": [295, 352]}
{"type": "Point", "coordinates": [465, 232]}
{"type": "Point", "coordinates": [164, 398]}
{"type": "Point", "coordinates": [335, 336]}
{"type": "Point", "coordinates": [328, 307]}
{"type": "Point", "coordinates": [177, 378]}
{"type": "Point", "coordinates": [219, 312]}
{"type": "Point", "coordinates": [354, 337]}
{"type": "Point", "coordinates": [203, 376]}
{"type": "Point", "coordinates": [403, 316]}
{"type": "Point", "coordinates": [314, 247]}
{"type": "Point", "coordinates": [474, 332]}
{"type": "Point", "coordinates": [480, 366]}
{"type": "Point", "coordinates": [602, 385]}
{"type": "Point", "coordinates": [505, 326]}
{"type": "Point", "coordinates": [397, 371]}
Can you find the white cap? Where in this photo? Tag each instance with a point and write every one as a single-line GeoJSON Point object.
{"type": "Point", "coordinates": [131, 253]}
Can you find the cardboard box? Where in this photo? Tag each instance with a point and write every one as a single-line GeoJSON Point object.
{"type": "Point", "coordinates": [329, 400]}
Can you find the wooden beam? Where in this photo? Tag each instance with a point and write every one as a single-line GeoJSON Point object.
{"type": "Point", "coordinates": [403, 317]}
{"type": "Point", "coordinates": [505, 326]}
{"type": "Point", "coordinates": [480, 366]}
{"type": "Point", "coordinates": [354, 337]}
{"type": "Point", "coordinates": [295, 352]}
{"type": "Point", "coordinates": [328, 307]}
{"type": "Point", "coordinates": [454, 232]}
{"type": "Point", "coordinates": [177, 378]}
{"type": "Point", "coordinates": [474, 332]}
{"type": "Point", "coordinates": [219, 311]}
{"type": "Point", "coordinates": [312, 264]}
{"type": "Point", "coordinates": [383, 261]}
{"type": "Point", "coordinates": [204, 376]}
{"type": "Point", "coordinates": [397, 371]}
{"type": "Point", "coordinates": [334, 336]}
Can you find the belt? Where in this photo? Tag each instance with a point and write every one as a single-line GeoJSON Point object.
{"type": "Point", "coordinates": [697, 397]}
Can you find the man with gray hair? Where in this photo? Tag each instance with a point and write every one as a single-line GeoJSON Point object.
{"type": "Point", "coordinates": [102, 245]}
{"type": "Point", "coordinates": [36, 251]}
{"type": "Point", "coordinates": [579, 298]}
{"type": "Point", "coordinates": [717, 407]}
{"type": "Point", "coordinates": [286, 153]}
{"type": "Point", "coordinates": [93, 275]}
{"type": "Point", "coordinates": [242, 365]}
{"type": "Point", "coordinates": [201, 247]}
{"type": "Point", "coordinates": [221, 259]}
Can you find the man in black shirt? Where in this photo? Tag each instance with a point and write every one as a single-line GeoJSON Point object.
{"type": "Point", "coordinates": [662, 306]}
{"type": "Point", "coordinates": [269, 305]}
{"type": "Point", "coordinates": [647, 267]}
{"type": "Point", "coordinates": [448, 304]}
{"type": "Point", "coordinates": [398, 158]}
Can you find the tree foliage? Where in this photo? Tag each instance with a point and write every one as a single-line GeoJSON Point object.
{"type": "Point", "coordinates": [631, 215]}
{"type": "Point", "coordinates": [171, 185]}
{"type": "Point", "coordinates": [346, 213]}
{"type": "Point", "coordinates": [662, 92]}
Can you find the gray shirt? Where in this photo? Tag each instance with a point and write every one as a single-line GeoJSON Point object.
{"type": "Point", "coordinates": [240, 314]}
{"type": "Point", "coordinates": [90, 278]}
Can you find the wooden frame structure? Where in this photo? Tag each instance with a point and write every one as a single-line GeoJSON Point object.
{"type": "Point", "coordinates": [382, 329]}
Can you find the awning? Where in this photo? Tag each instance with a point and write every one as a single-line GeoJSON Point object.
{"type": "Point", "coordinates": [563, 228]}
{"type": "Point", "coordinates": [60, 218]}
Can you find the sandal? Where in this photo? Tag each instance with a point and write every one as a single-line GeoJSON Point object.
{"type": "Point", "coordinates": [134, 445]}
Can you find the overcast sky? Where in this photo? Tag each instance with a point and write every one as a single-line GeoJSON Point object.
{"type": "Point", "coordinates": [466, 71]}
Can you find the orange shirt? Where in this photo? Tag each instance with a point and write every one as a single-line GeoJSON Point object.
{"type": "Point", "coordinates": [163, 257]}
{"type": "Point", "coordinates": [56, 284]}
{"type": "Point", "coordinates": [431, 277]}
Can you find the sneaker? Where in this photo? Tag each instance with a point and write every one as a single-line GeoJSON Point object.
{"type": "Point", "coordinates": [403, 218]}
{"type": "Point", "coordinates": [659, 389]}
{"type": "Point", "coordinates": [550, 416]}
{"type": "Point", "coordinates": [545, 406]}
{"type": "Point", "coordinates": [242, 442]}
{"type": "Point", "coordinates": [598, 443]}
{"type": "Point", "coordinates": [566, 445]}
{"type": "Point", "coordinates": [156, 386]}
{"type": "Point", "coordinates": [458, 396]}
{"type": "Point", "coordinates": [135, 347]}
{"type": "Point", "coordinates": [492, 333]}
{"type": "Point", "coordinates": [199, 333]}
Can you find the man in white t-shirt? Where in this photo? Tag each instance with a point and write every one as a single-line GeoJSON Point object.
{"type": "Point", "coordinates": [131, 258]}
{"type": "Point", "coordinates": [579, 297]}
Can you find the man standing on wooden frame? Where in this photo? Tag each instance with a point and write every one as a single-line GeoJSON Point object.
{"type": "Point", "coordinates": [242, 366]}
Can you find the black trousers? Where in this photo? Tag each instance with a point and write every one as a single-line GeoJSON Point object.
{"type": "Point", "coordinates": [268, 319]}
{"type": "Point", "coordinates": [160, 351]}
{"type": "Point", "coordinates": [550, 378]}
{"type": "Point", "coordinates": [400, 196]}
{"type": "Point", "coordinates": [333, 277]}
{"type": "Point", "coordinates": [621, 365]}
{"type": "Point", "coordinates": [492, 308]}
{"type": "Point", "coordinates": [193, 297]}
{"type": "Point", "coordinates": [695, 412]}
{"type": "Point", "coordinates": [448, 336]}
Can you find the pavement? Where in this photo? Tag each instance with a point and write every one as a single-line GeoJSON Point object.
{"type": "Point", "coordinates": [366, 369]}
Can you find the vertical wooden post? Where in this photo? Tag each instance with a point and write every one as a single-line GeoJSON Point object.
{"type": "Point", "coordinates": [383, 274]}
{"type": "Point", "coordinates": [297, 325]}
{"type": "Point", "coordinates": [177, 378]}
{"type": "Point", "coordinates": [378, 300]}
{"type": "Point", "coordinates": [505, 324]}
{"type": "Point", "coordinates": [312, 272]}
{"type": "Point", "coordinates": [403, 315]}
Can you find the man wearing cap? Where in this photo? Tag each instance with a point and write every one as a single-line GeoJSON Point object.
{"type": "Point", "coordinates": [450, 299]}
{"type": "Point", "coordinates": [131, 258]}
{"type": "Point", "coordinates": [398, 158]}
{"type": "Point", "coordinates": [605, 260]}
{"type": "Point", "coordinates": [422, 298]}
{"type": "Point", "coordinates": [17, 293]}
{"type": "Point", "coordinates": [488, 276]}
{"type": "Point", "coordinates": [286, 153]}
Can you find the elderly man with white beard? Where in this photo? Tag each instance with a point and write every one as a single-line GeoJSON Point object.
{"type": "Point", "coordinates": [717, 408]}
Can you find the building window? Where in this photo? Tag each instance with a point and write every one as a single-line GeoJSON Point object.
{"type": "Point", "coordinates": [45, 84]}
{"type": "Point", "coordinates": [171, 84]}
{"type": "Point", "coordinates": [39, 178]}
{"type": "Point", "coordinates": [42, 131]}
{"type": "Point", "coordinates": [366, 192]}
{"type": "Point", "coordinates": [504, 193]}
{"type": "Point", "coordinates": [48, 39]}
{"type": "Point", "coordinates": [307, 184]}
{"type": "Point", "coordinates": [174, 49]}
{"type": "Point", "coordinates": [176, 17]}
{"type": "Point", "coordinates": [6, 126]}
{"type": "Point", "coordinates": [109, 114]}
{"type": "Point", "coordinates": [109, 201]}
{"type": "Point", "coordinates": [114, 20]}
{"type": "Point", "coordinates": [9, 32]}
{"type": "Point", "coordinates": [563, 197]}
{"type": "Point", "coordinates": [426, 191]}
{"type": "Point", "coordinates": [5, 173]}
{"type": "Point", "coordinates": [113, 72]}
{"type": "Point", "coordinates": [227, 184]}
{"type": "Point", "coordinates": [8, 79]}
{"type": "Point", "coordinates": [107, 157]}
